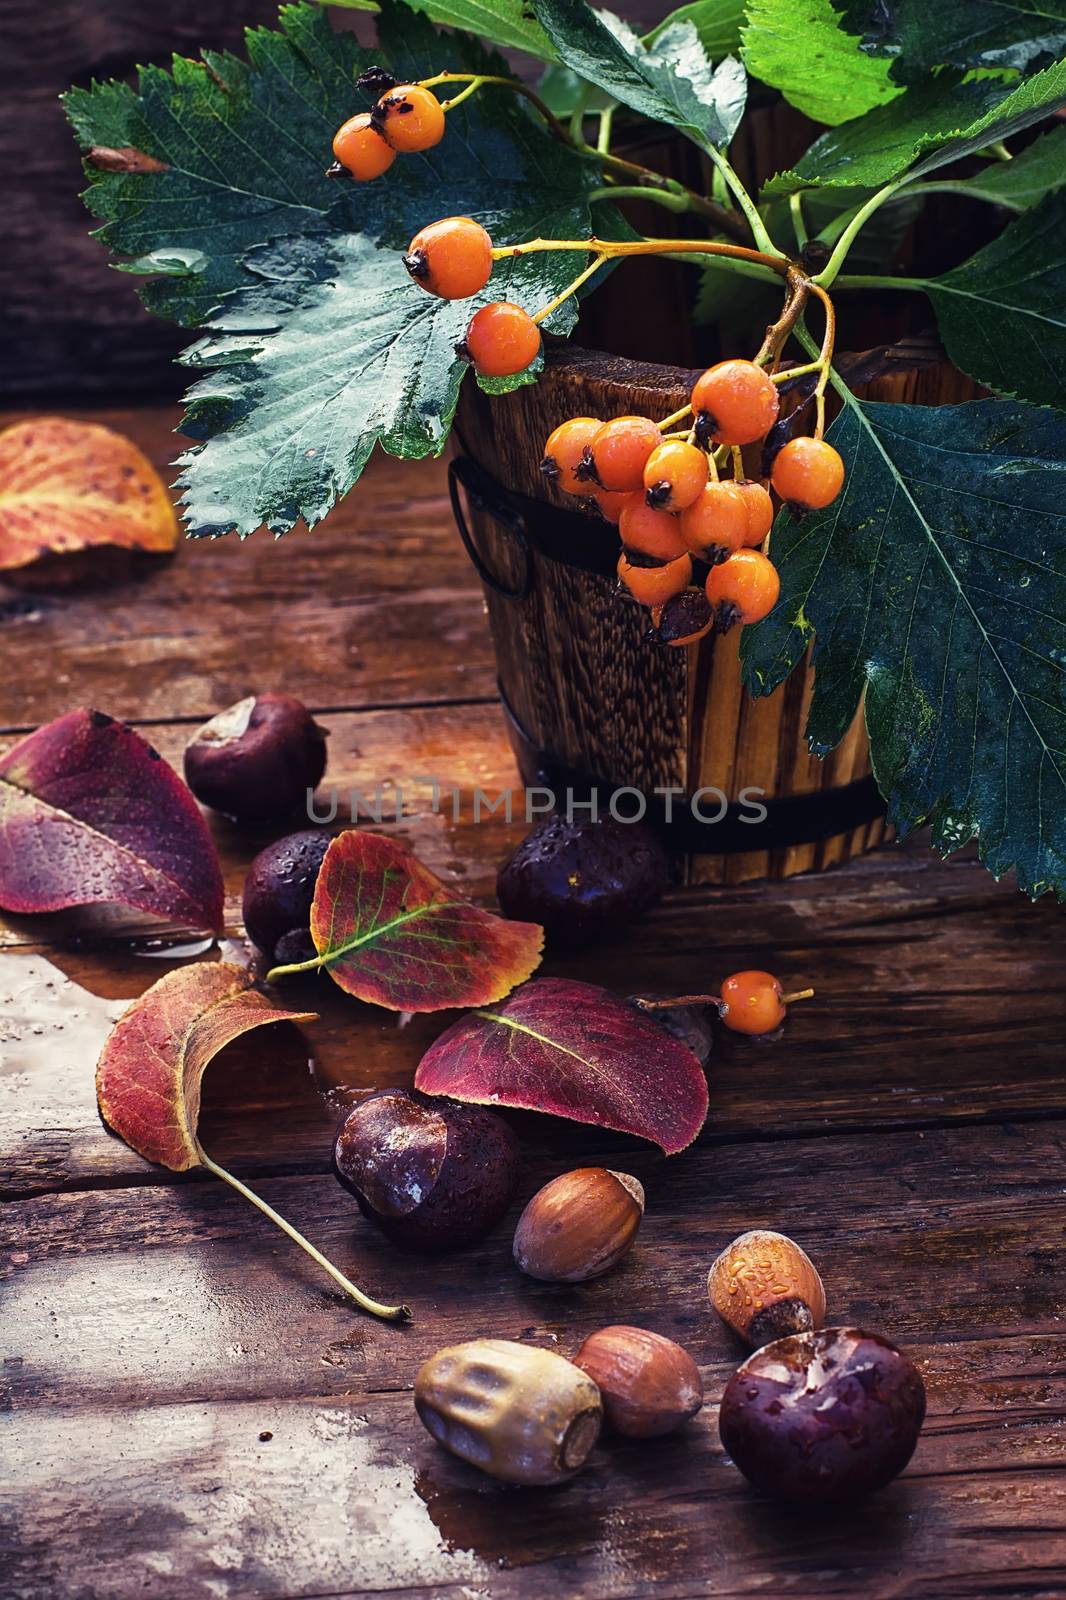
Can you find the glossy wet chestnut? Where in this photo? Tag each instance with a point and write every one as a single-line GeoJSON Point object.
{"type": "Point", "coordinates": [581, 878]}
{"type": "Point", "coordinates": [823, 1418]}
{"type": "Point", "coordinates": [278, 892]}
{"type": "Point", "coordinates": [258, 759]}
{"type": "Point", "coordinates": [433, 1174]}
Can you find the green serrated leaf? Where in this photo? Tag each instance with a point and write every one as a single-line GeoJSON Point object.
{"type": "Point", "coordinates": [799, 47]}
{"type": "Point", "coordinates": [922, 36]}
{"type": "Point", "coordinates": [671, 81]}
{"type": "Point", "coordinates": [1002, 314]}
{"type": "Point", "coordinates": [1023, 181]}
{"type": "Point", "coordinates": [717, 22]}
{"type": "Point", "coordinates": [928, 126]}
{"type": "Point", "coordinates": [505, 22]}
{"type": "Point", "coordinates": [921, 593]}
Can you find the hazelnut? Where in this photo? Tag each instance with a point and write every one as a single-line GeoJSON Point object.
{"type": "Point", "coordinates": [649, 1384]}
{"type": "Point", "coordinates": [579, 1225]}
{"type": "Point", "coordinates": [520, 1414]}
{"type": "Point", "coordinates": [258, 759]}
{"type": "Point", "coordinates": [764, 1287]}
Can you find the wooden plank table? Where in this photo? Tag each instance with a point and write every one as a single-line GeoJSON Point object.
{"type": "Point", "coordinates": [189, 1411]}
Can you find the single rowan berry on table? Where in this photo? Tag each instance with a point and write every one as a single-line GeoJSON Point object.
{"type": "Point", "coordinates": [410, 117]}
{"type": "Point", "coordinates": [653, 586]}
{"type": "Point", "coordinates": [562, 453]}
{"type": "Point", "coordinates": [650, 533]}
{"type": "Point", "coordinates": [451, 258]}
{"type": "Point", "coordinates": [361, 149]}
{"type": "Point", "coordinates": [743, 588]}
{"type": "Point", "coordinates": [751, 1002]}
{"type": "Point", "coordinates": [674, 475]}
{"type": "Point", "coordinates": [716, 523]}
{"type": "Point", "coordinates": [760, 510]}
{"type": "Point", "coordinates": [682, 620]}
{"type": "Point", "coordinates": [610, 503]}
{"type": "Point", "coordinates": [807, 473]}
{"type": "Point", "coordinates": [735, 402]}
{"type": "Point", "coordinates": [502, 339]}
{"type": "Point", "coordinates": [616, 457]}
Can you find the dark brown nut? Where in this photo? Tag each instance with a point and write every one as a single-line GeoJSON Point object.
{"type": "Point", "coordinates": [433, 1174]}
{"type": "Point", "coordinates": [581, 879]}
{"type": "Point", "coordinates": [823, 1418]}
{"type": "Point", "coordinates": [648, 1383]}
{"type": "Point", "coordinates": [258, 759]}
{"type": "Point", "coordinates": [520, 1414]}
{"type": "Point", "coordinates": [579, 1226]}
{"type": "Point", "coordinates": [280, 887]}
{"type": "Point", "coordinates": [764, 1286]}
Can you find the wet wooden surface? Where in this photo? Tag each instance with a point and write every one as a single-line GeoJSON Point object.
{"type": "Point", "coordinates": [186, 1408]}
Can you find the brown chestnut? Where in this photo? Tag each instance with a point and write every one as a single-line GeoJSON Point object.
{"type": "Point", "coordinates": [279, 889]}
{"type": "Point", "coordinates": [580, 879]}
{"type": "Point", "coordinates": [579, 1225]}
{"type": "Point", "coordinates": [257, 759]}
{"type": "Point", "coordinates": [648, 1383]}
{"type": "Point", "coordinates": [764, 1286]}
{"type": "Point", "coordinates": [433, 1174]}
{"type": "Point", "coordinates": [823, 1418]}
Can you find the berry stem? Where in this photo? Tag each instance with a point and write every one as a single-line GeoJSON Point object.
{"type": "Point", "coordinates": [678, 416]}
{"type": "Point", "coordinates": [825, 357]}
{"type": "Point", "coordinates": [553, 305]}
{"type": "Point", "coordinates": [795, 372]}
{"type": "Point", "coordinates": [738, 461]}
{"type": "Point", "coordinates": [478, 80]}
{"type": "Point", "coordinates": [681, 1000]}
{"type": "Point", "coordinates": [800, 994]}
{"type": "Point", "coordinates": [472, 88]}
{"type": "Point", "coordinates": [375, 1307]}
{"type": "Point", "coordinates": [611, 248]}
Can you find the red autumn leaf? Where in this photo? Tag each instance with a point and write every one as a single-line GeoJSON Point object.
{"type": "Point", "coordinates": [148, 1078]}
{"type": "Point", "coordinates": [573, 1050]}
{"type": "Point", "coordinates": [149, 1075]}
{"type": "Point", "coordinates": [388, 931]}
{"type": "Point", "coordinates": [67, 485]}
{"type": "Point", "coordinates": [90, 814]}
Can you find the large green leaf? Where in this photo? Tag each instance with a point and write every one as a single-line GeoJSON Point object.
{"type": "Point", "coordinates": [717, 22]}
{"type": "Point", "coordinates": [1002, 314]}
{"type": "Point", "coordinates": [924, 34]}
{"type": "Point", "coordinates": [937, 584]}
{"type": "Point", "coordinates": [505, 22]}
{"type": "Point", "coordinates": [1023, 181]}
{"type": "Point", "coordinates": [799, 47]}
{"type": "Point", "coordinates": [319, 343]}
{"type": "Point", "coordinates": [671, 81]}
{"type": "Point", "coordinates": [933, 123]}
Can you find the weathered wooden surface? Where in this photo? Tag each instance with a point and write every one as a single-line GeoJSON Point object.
{"type": "Point", "coordinates": [908, 1130]}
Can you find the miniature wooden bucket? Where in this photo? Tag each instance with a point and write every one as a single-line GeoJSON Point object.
{"type": "Point", "coordinates": [590, 703]}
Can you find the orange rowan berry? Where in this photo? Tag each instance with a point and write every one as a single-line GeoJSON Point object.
{"type": "Point", "coordinates": [743, 588]}
{"type": "Point", "coordinates": [619, 451]}
{"type": "Point", "coordinates": [807, 473]}
{"type": "Point", "coordinates": [674, 475]}
{"type": "Point", "coordinates": [654, 585]}
{"type": "Point", "coordinates": [738, 400]}
{"type": "Point", "coordinates": [760, 510]}
{"type": "Point", "coordinates": [651, 533]}
{"type": "Point", "coordinates": [610, 503]}
{"type": "Point", "coordinates": [410, 118]}
{"type": "Point", "coordinates": [361, 149]}
{"type": "Point", "coordinates": [751, 1002]}
{"type": "Point", "coordinates": [563, 452]}
{"type": "Point", "coordinates": [502, 339]}
{"type": "Point", "coordinates": [451, 258]}
{"type": "Point", "coordinates": [717, 523]}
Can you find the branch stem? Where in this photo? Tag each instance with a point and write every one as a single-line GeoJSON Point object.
{"type": "Point", "coordinates": [594, 266]}
{"type": "Point", "coordinates": [375, 1307]}
{"type": "Point", "coordinates": [745, 202]}
{"type": "Point", "coordinates": [611, 248]}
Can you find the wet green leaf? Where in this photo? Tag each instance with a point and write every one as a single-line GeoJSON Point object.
{"type": "Point", "coordinates": [1026, 178]}
{"type": "Point", "coordinates": [921, 35]}
{"type": "Point", "coordinates": [936, 584]}
{"type": "Point", "coordinates": [799, 47]}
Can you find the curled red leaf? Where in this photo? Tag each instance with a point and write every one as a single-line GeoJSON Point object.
{"type": "Point", "coordinates": [573, 1050]}
{"type": "Point", "coordinates": [148, 1077]}
{"type": "Point", "coordinates": [388, 931]}
{"type": "Point", "coordinates": [90, 814]}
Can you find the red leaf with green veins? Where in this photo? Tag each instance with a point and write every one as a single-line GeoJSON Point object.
{"type": "Point", "coordinates": [90, 814]}
{"type": "Point", "coordinates": [388, 931]}
{"type": "Point", "coordinates": [148, 1078]}
{"type": "Point", "coordinates": [573, 1050]}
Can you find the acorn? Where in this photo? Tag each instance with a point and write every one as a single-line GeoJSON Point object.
{"type": "Point", "coordinates": [764, 1286]}
{"type": "Point", "coordinates": [649, 1385]}
{"type": "Point", "coordinates": [579, 1226]}
{"type": "Point", "coordinates": [523, 1415]}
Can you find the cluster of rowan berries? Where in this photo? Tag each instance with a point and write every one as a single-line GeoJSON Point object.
{"type": "Point", "coordinates": [670, 505]}
{"type": "Point", "coordinates": [405, 119]}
